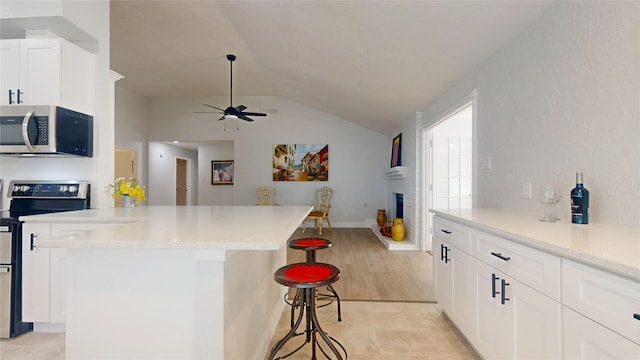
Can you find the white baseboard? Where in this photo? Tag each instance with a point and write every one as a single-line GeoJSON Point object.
{"type": "Point", "coordinates": [390, 243]}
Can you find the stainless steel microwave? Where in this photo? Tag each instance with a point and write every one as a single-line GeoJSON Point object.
{"type": "Point", "coordinates": [45, 131]}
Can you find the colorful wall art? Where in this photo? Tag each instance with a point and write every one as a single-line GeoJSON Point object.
{"type": "Point", "coordinates": [301, 162]}
{"type": "Point", "coordinates": [222, 172]}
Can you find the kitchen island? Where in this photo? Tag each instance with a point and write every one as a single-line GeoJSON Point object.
{"type": "Point", "coordinates": [173, 282]}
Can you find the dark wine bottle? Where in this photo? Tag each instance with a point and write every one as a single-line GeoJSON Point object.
{"type": "Point", "coordinates": [579, 202]}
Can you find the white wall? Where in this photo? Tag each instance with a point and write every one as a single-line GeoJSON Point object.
{"type": "Point", "coordinates": [562, 97]}
{"type": "Point", "coordinates": [131, 127]}
{"type": "Point", "coordinates": [213, 194]}
{"type": "Point", "coordinates": [162, 174]}
{"type": "Point", "coordinates": [358, 157]}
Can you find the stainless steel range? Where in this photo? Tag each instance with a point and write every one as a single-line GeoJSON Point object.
{"type": "Point", "coordinates": [29, 197]}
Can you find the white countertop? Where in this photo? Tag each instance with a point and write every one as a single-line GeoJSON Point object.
{"type": "Point", "coordinates": [180, 227]}
{"type": "Point", "coordinates": [610, 248]}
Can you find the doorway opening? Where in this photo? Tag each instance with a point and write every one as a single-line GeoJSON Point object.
{"type": "Point", "coordinates": [181, 181]}
{"type": "Point", "coordinates": [448, 164]}
{"type": "Point", "coordinates": [126, 166]}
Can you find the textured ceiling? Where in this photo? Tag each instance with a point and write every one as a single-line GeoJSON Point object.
{"type": "Point", "coordinates": [374, 63]}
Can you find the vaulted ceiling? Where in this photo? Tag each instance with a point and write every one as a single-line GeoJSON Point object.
{"type": "Point", "coordinates": [373, 63]}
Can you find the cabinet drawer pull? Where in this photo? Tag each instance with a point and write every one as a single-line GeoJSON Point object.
{"type": "Point", "coordinates": [446, 231]}
{"type": "Point", "coordinates": [493, 285]}
{"type": "Point", "coordinates": [33, 241]}
{"type": "Point", "coordinates": [498, 255]}
{"type": "Point", "coordinates": [636, 316]}
{"type": "Point", "coordinates": [504, 290]}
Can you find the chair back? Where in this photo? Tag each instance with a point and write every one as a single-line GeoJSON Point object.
{"type": "Point", "coordinates": [323, 200]}
{"type": "Point", "coordinates": [266, 196]}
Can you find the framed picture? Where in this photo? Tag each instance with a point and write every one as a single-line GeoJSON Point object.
{"type": "Point", "coordinates": [300, 162]}
{"type": "Point", "coordinates": [222, 172]}
{"type": "Point", "coordinates": [396, 151]}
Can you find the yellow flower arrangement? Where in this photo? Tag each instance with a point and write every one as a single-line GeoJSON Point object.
{"type": "Point", "coordinates": [128, 187]}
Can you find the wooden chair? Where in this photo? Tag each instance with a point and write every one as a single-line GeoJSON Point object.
{"type": "Point", "coordinates": [266, 196]}
{"type": "Point", "coordinates": [321, 209]}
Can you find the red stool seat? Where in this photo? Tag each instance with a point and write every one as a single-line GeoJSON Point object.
{"type": "Point", "coordinates": [309, 245]}
{"type": "Point", "coordinates": [307, 277]}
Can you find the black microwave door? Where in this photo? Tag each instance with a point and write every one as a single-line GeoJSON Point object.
{"type": "Point", "coordinates": [74, 134]}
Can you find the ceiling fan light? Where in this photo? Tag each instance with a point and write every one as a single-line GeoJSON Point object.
{"type": "Point", "coordinates": [230, 117]}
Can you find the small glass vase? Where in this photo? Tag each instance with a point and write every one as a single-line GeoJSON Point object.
{"type": "Point", "coordinates": [128, 201]}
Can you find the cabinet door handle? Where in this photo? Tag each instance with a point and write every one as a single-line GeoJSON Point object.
{"type": "Point", "coordinates": [33, 241]}
{"type": "Point", "coordinates": [504, 290]}
{"type": "Point", "coordinates": [446, 231]}
{"type": "Point", "coordinates": [10, 97]}
{"type": "Point", "coordinates": [493, 285]}
{"type": "Point", "coordinates": [446, 254]}
{"type": "Point", "coordinates": [500, 256]}
{"type": "Point", "coordinates": [19, 93]}
{"type": "Point", "coordinates": [636, 316]}
{"type": "Point", "coordinates": [442, 247]}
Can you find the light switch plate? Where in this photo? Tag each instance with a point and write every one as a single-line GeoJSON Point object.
{"type": "Point", "coordinates": [526, 190]}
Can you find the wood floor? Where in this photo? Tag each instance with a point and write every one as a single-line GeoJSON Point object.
{"type": "Point", "coordinates": [369, 271]}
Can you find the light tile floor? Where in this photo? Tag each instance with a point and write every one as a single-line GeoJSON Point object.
{"type": "Point", "coordinates": [385, 330]}
{"type": "Point", "coordinates": [369, 330]}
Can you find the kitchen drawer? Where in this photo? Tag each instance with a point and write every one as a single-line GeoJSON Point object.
{"type": "Point", "coordinates": [606, 298]}
{"type": "Point", "coordinates": [453, 233]}
{"type": "Point", "coordinates": [532, 267]}
{"type": "Point", "coordinates": [586, 339]}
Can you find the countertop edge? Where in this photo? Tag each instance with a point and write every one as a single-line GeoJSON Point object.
{"type": "Point", "coordinates": [74, 241]}
{"type": "Point", "coordinates": [617, 268]}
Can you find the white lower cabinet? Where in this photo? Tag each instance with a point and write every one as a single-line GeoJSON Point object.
{"type": "Point", "coordinates": [451, 266]}
{"type": "Point", "coordinates": [586, 339]}
{"type": "Point", "coordinates": [527, 303]}
{"type": "Point", "coordinates": [43, 270]}
{"type": "Point", "coordinates": [512, 320]}
{"type": "Point", "coordinates": [35, 274]}
{"type": "Point", "coordinates": [601, 314]}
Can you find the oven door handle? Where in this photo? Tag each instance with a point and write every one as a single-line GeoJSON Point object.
{"type": "Point", "coordinates": [25, 131]}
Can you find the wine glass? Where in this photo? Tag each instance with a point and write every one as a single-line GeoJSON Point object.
{"type": "Point", "coordinates": [548, 197]}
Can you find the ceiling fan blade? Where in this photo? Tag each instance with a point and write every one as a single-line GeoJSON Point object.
{"type": "Point", "coordinates": [215, 107]}
{"type": "Point", "coordinates": [206, 112]}
{"type": "Point", "coordinates": [241, 107]}
{"type": "Point", "coordinates": [253, 114]}
{"type": "Point", "coordinates": [241, 116]}
{"type": "Point", "coordinates": [222, 118]}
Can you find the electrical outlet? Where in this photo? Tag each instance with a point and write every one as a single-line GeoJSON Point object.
{"type": "Point", "coordinates": [526, 190]}
{"type": "Point", "coordinates": [485, 163]}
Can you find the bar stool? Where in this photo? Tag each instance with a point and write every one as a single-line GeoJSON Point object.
{"type": "Point", "coordinates": [310, 245]}
{"type": "Point", "coordinates": [306, 277]}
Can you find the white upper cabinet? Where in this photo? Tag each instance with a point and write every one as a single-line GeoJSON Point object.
{"type": "Point", "coordinates": [47, 72]}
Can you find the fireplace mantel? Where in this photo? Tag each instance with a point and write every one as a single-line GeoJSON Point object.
{"type": "Point", "coordinates": [397, 172]}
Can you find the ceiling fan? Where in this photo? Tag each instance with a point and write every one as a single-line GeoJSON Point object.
{"type": "Point", "coordinates": [232, 112]}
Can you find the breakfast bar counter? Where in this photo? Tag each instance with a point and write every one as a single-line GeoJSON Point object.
{"type": "Point", "coordinates": [172, 282]}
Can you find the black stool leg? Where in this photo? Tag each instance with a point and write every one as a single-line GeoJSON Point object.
{"type": "Point", "coordinates": [318, 330]}
{"type": "Point", "coordinates": [278, 345]}
{"type": "Point", "coordinates": [333, 291]}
